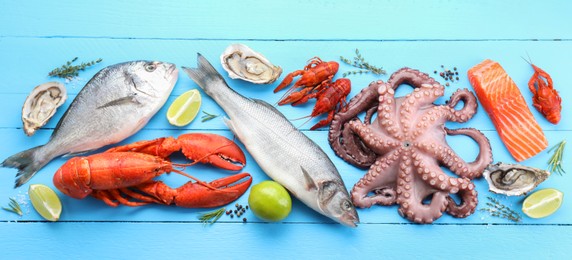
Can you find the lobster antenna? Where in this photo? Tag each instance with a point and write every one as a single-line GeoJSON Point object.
{"type": "Point", "coordinates": [195, 179]}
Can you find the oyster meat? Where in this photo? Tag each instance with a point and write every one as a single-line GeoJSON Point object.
{"type": "Point", "coordinates": [513, 179]}
{"type": "Point", "coordinates": [41, 105]}
{"type": "Point", "coordinates": [241, 62]}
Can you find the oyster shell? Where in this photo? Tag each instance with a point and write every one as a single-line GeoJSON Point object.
{"type": "Point", "coordinates": [513, 179]}
{"type": "Point", "coordinates": [41, 105]}
{"type": "Point", "coordinates": [241, 62]}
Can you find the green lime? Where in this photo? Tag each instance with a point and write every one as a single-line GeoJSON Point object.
{"type": "Point", "coordinates": [542, 203]}
{"type": "Point", "coordinates": [270, 201]}
{"type": "Point", "coordinates": [185, 108]}
{"type": "Point", "coordinates": [45, 201]}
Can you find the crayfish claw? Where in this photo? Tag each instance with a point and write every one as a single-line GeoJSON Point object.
{"type": "Point", "coordinates": [213, 149]}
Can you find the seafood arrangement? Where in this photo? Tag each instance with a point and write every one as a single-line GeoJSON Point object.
{"type": "Point", "coordinates": [400, 140]}
{"type": "Point", "coordinates": [405, 145]}
{"type": "Point", "coordinates": [120, 100]}
{"type": "Point", "coordinates": [280, 149]}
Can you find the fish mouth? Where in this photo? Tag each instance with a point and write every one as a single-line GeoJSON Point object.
{"type": "Point", "coordinates": [349, 219]}
{"type": "Point", "coordinates": [171, 73]}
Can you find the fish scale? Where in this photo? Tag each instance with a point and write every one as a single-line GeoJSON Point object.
{"type": "Point", "coordinates": [280, 149]}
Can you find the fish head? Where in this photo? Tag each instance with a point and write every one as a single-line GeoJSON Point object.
{"type": "Point", "coordinates": [334, 200]}
{"type": "Point", "coordinates": [153, 78]}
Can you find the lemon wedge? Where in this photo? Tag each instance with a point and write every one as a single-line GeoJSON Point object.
{"type": "Point", "coordinates": [542, 203]}
{"type": "Point", "coordinates": [185, 108]}
{"type": "Point", "coordinates": [45, 201]}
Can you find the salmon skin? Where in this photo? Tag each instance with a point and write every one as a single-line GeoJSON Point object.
{"type": "Point", "coordinates": [508, 110]}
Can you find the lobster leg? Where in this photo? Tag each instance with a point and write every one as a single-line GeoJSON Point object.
{"type": "Point", "coordinates": [196, 195]}
{"type": "Point", "coordinates": [113, 198]}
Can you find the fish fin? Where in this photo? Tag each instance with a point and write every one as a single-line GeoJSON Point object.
{"type": "Point", "coordinates": [310, 183]}
{"type": "Point", "coordinates": [204, 74]}
{"type": "Point", "coordinates": [77, 153]}
{"type": "Point", "coordinates": [229, 124]}
{"type": "Point", "coordinates": [27, 162]}
{"type": "Point", "coordinates": [131, 99]}
{"type": "Point", "coordinates": [267, 105]}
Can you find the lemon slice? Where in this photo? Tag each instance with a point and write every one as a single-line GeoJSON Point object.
{"type": "Point", "coordinates": [45, 201]}
{"type": "Point", "coordinates": [542, 203]}
{"type": "Point", "coordinates": [185, 108]}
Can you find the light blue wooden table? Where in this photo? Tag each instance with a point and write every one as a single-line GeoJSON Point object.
{"type": "Point", "coordinates": [36, 37]}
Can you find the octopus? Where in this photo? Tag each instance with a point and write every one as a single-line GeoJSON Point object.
{"type": "Point", "coordinates": [405, 148]}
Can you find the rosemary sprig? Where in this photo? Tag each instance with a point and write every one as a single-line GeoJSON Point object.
{"type": "Point", "coordinates": [211, 217]}
{"type": "Point", "coordinates": [555, 162]}
{"type": "Point", "coordinates": [14, 207]}
{"type": "Point", "coordinates": [69, 71]}
{"type": "Point", "coordinates": [497, 209]}
{"type": "Point", "coordinates": [207, 116]}
{"type": "Point", "coordinates": [359, 62]}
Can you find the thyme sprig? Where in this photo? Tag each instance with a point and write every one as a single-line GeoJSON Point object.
{"type": "Point", "coordinates": [207, 116]}
{"type": "Point", "coordinates": [497, 209]}
{"type": "Point", "coordinates": [359, 62]}
{"type": "Point", "coordinates": [211, 217]}
{"type": "Point", "coordinates": [69, 71]}
{"type": "Point", "coordinates": [555, 162]}
{"type": "Point", "coordinates": [14, 207]}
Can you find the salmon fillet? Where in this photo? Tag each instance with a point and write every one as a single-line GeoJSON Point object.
{"type": "Point", "coordinates": [508, 110]}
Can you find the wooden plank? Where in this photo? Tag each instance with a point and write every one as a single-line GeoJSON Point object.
{"type": "Point", "coordinates": [290, 241]}
{"type": "Point", "coordinates": [285, 20]}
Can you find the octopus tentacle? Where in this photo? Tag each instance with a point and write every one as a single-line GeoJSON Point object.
{"type": "Point", "coordinates": [484, 158]}
{"type": "Point", "coordinates": [433, 176]}
{"type": "Point", "coordinates": [469, 105]}
{"type": "Point", "coordinates": [377, 141]}
{"type": "Point", "coordinates": [469, 201]}
{"type": "Point", "coordinates": [378, 181]}
{"type": "Point", "coordinates": [410, 77]}
{"type": "Point", "coordinates": [342, 140]}
{"type": "Point", "coordinates": [413, 208]}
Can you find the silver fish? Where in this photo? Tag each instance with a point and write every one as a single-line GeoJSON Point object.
{"type": "Point", "coordinates": [282, 151]}
{"type": "Point", "coordinates": [116, 103]}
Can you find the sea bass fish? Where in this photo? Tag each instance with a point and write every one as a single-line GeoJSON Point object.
{"type": "Point", "coordinates": [280, 149]}
{"type": "Point", "coordinates": [116, 103]}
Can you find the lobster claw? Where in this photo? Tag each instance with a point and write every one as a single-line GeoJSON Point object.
{"type": "Point", "coordinates": [228, 189]}
{"type": "Point", "coordinates": [213, 149]}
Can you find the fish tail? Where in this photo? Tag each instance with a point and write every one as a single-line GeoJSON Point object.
{"type": "Point", "coordinates": [205, 75]}
{"type": "Point", "coordinates": [27, 162]}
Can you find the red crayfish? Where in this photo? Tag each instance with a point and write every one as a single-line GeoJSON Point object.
{"type": "Point", "coordinates": [545, 98]}
{"type": "Point", "coordinates": [124, 174]}
{"type": "Point", "coordinates": [316, 82]}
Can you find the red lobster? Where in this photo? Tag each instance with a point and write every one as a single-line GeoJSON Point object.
{"type": "Point", "coordinates": [124, 175]}
{"type": "Point", "coordinates": [316, 75]}
{"type": "Point", "coordinates": [545, 98]}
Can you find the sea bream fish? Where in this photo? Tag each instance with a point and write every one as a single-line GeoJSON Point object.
{"type": "Point", "coordinates": [116, 103]}
{"type": "Point", "coordinates": [280, 149]}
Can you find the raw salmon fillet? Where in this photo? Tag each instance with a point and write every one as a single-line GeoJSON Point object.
{"type": "Point", "coordinates": [508, 110]}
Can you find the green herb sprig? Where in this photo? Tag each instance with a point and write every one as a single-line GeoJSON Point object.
{"type": "Point", "coordinates": [359, 62]}
{"type": "Point", "coordinates": [69, 71]}
{"type": "Point", "coordinates": [497, 209]}
{"type": "Point", "coordinates": [207, 116]}
{"type": "Point", "coordinates": [211, 217]}
{"type": "Point", "coordinates": [14, 207]}
{"type": "Point", "coordinates": [555, 162]}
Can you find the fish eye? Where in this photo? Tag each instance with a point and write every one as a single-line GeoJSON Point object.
{"type": "Point", "coordinates": [150, 67]}
{"type": "Point", "coordinates": [347, 205]}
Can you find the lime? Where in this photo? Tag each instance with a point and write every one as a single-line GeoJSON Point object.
{"type": "Point", "coordinates": [185, 108]}
{"type": "Point", "coordinates": [542, 203]}
{"type": "Point", "coordinates": [270, 201]}
{"type": "Point", "coordinates": [45, 201]}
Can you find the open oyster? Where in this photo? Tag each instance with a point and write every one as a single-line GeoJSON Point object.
{"type": "Point", "coordinates": [513, 179]}
{"type": "Point", "coordinates": [241, 62]}
{"type": "Point", "coordinates": [41, 105]}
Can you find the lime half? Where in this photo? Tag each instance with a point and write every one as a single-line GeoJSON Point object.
{"type": "Point", "coordinates": [542, 203]}
{"type": "Point", "coordinates": [185, 108]}
{"type": "Point", "coordinates": [45, 201]}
